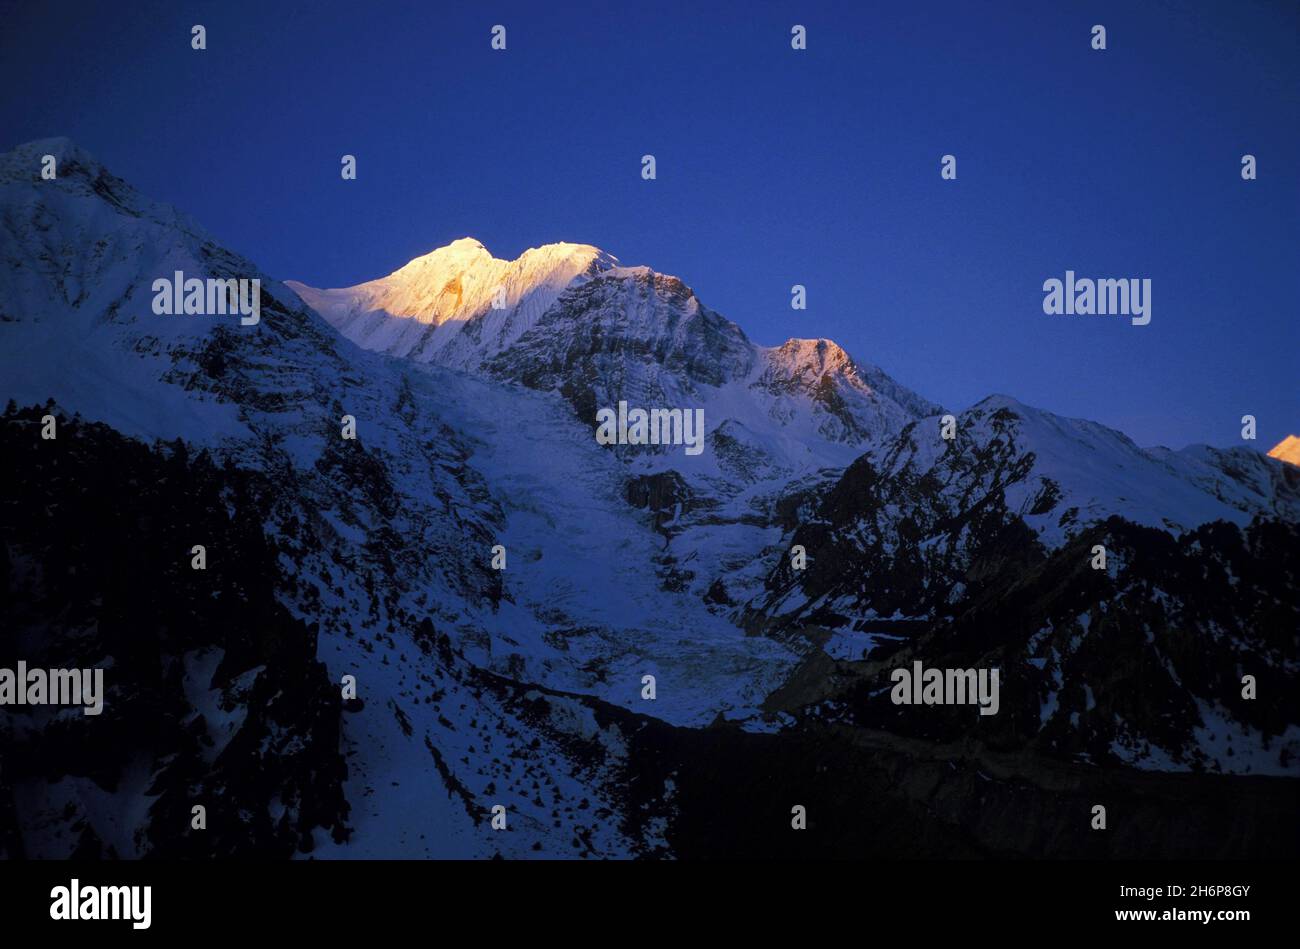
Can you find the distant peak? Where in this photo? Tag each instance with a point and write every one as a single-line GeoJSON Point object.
{"type": "Point", "coordinates": [816, 355]}
{"type": "Point", "coordinates": [1000, 400]}
{"type": "Point", "coordinates": [1288, 450]}
{"type": "Point", "coordinates": [820, 346]}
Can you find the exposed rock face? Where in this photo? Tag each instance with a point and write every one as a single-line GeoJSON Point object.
{"type": "Point", "coordinates": [214, 693]}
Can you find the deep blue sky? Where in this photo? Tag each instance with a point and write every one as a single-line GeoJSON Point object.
{"type": "Point", "coordinates": [775, 167]}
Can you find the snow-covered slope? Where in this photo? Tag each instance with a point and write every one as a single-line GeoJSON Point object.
{"type": "Point", "coordinates": [776, 418]}
{"type": "Point", "coordinates": [907, 520]}
{"type": "Point", "coordinates": [1099, 472]}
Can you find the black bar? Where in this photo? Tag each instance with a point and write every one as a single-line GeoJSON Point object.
{"type": "Point", "coordinates": [332, 898]}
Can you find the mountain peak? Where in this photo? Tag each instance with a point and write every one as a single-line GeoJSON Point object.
{"type": "Point", "coordinates": [457, 303]}
{"type": "Point", "coordinates": [24, 162]}
{"type": "Point", "coordinates": [1288, 450]}
{"type": "Point", "coordinates": [461, 253]}
{"type": "Point", "coordinates": [469, 252]}
{"type": "Point", "coordinates": [1000, 400]}
{"type": "Point", "coordinates": [463, 247]}
{"type": "Point", "coordinates": [78, 177]}
{"type": "Point", "coordinates": [820, 354]}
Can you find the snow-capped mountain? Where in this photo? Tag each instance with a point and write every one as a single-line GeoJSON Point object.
{"type": "Point", "coordinates": [1288, 450]}
{"type": "Point", "coordinates": [456, 305]}
{"type": "Point", "coordinates": [571, 319]}
{"type": "Point", "coordinates": [776, 417]}
{"type": "Point", "coordinates": [372, 557]}
{"type": "Point", "coordinates": [909, 518]}
{"type": "Point", "coordinates": [382, 548]}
